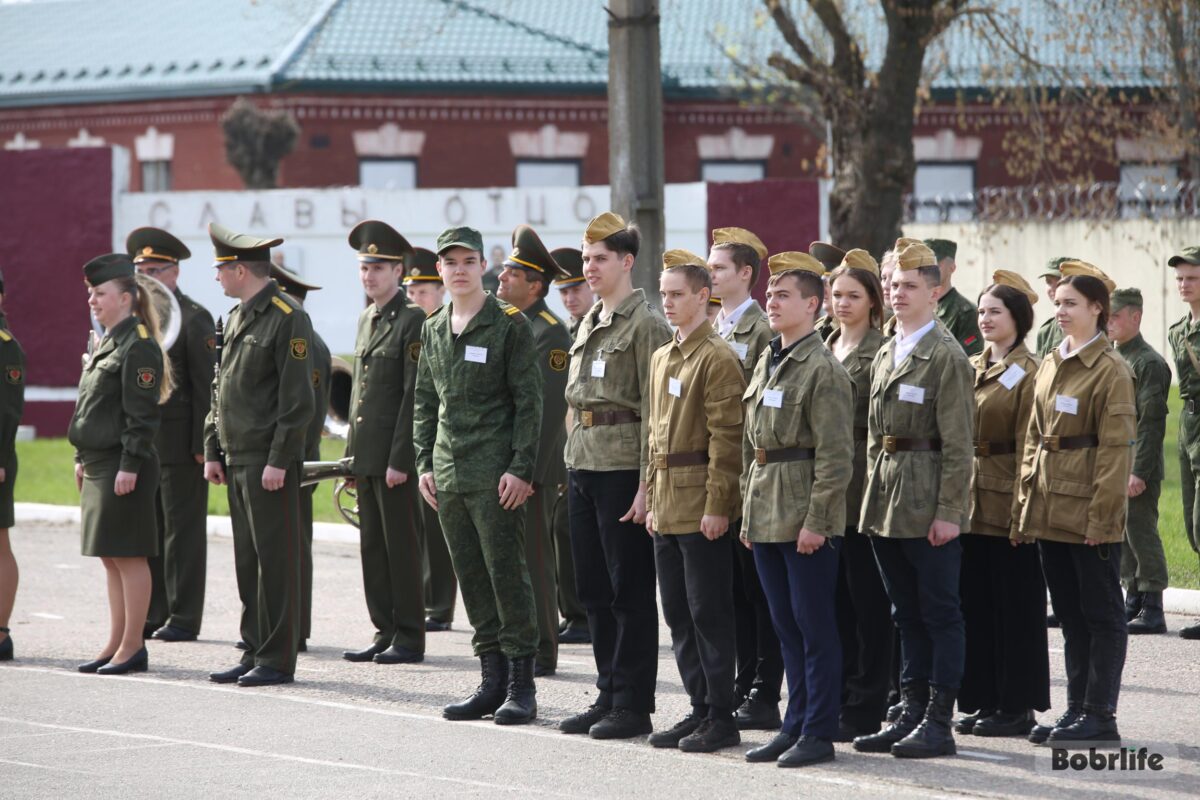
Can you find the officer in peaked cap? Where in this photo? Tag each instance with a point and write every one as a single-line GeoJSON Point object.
{"type": "Point", "coordinates": [422, 280]}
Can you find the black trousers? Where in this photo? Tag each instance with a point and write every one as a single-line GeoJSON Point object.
{"type": "Point", "coordinates": [922, 583]}
{"type": "Point", "coordinates": [178, 572]}
{"type": "Point", "coordinates": [1004, 608]}
{"type": "Point", "coordinates": [1085, 592]}
{"type": "Point", "coordinates": [759, 661]}
{"type": "Point", "coordinates": [614, 576]}
{"type": "Point", "coordinates": [864, 617]}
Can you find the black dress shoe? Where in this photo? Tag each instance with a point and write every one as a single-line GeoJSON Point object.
{"type": "Point", "coordinates": [365, 655]}
{"type": "Point", "coordinates": [583, 721]}
{"type": "Point", "coordinates": [967, 724]}
{"type": "Point", "coordinates": [399, 655]}
{"type": "Point", "coordinates": [757, 715]}
{"type": "Point", "coordinates": [1005, 724]}
{"type": "Point", "coordinates": [138, 662]}
{"type": "Point", "coordinates": [264, 676]}
{"type": "Point", "coordinates": [1190, 632]}
{"type": "Point", "coordinates": [621, 723]}
{"type": "Point", "coordinates": [6, 647]}
{"type": "Point", "coordinates": [436, 626]}
{"type": "Point", "coordinates": [772, 749]}
{"type": "Point", "coordinates": [711, 736]}
{"type": "Point", "coordinates": [809, 750]}
{"type": "Point", "coordinates": [1091, 728]}
{"type": "Point", "coordinates": [542, 671]}
{"type": "Point", "coordinates": [1040, 733]}
{"type": "Point", "coordinates": [229, 675]}
{"type": "Point", "coordinates": [173, 633]}
{"type": "Point", "coordinates": [575, 635]}
{"type": "Point", "coordinates": [671, 736]}
{"type": "Point", "coordinates": [92, 666]}
{"type": "Point", "coordinates": [240, 645]}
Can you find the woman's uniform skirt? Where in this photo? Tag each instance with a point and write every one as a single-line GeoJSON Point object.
{"type": "Point", "coordinates": [112, 526]}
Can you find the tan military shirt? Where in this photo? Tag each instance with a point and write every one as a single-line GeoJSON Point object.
{"type": "Point", "coordinates": [610, 371]}
{"type": "Point", "coordinates": [1070, 495]}
{"type": "Point", "coordinates": [749, 337]}
{"type": "Point", "coordinates": [808, 401]}
{"type": "Point", "coordinates": [858, 365]}
{"type": "Point", "coordinates": [694, 389]}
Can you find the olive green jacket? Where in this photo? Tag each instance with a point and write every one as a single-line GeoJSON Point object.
{"type": "Point", "coordinates": [1180, 335]}
{"type": "Point", "coordinates": [623, 344]}
{"type": "Point", "coordinates": [264, 393]}
{"type": "Point", "coordinates": [858, 365]}
{"type": "Point", "coordinates": [384, 388]}
{"type": "Point", "coordinates": [1152, 384]}
{"type": "Point", "coordinates": [1049, 336]}
{"type": "Point", "coordinates": [12, 393]}
{"type": "Point", "coordinates": [552, 340]}
{"type": "Point", "coordinates": [478, 404]}
{"type": "Point", "coordinates": [906, 491]}
{"type": "Point", "coordinates": [322, 364]}
{"type": "Point", "coordinates": [816, 410]}
{"type": "Point", "coordinates": [181, 435]}
{"type": "Point", "coordinates": [117, 406]}
{"type": "Point", "coordinates": [749, 337]}
{"type": "Point", "coordinates": [961, 316]}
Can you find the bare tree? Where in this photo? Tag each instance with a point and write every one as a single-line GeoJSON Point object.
{"type": "Point", "coordinates": [256, 141]}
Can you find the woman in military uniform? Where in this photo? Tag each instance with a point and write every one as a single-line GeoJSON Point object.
{"type": "Point", "coordinates": [116, 466]}
{"type": "Point", "coordinates": [12, 403]}
{"type": "Point", "coordinates": [1077, 460]}
{"type": "Point", "coordinates": [1007, 672]}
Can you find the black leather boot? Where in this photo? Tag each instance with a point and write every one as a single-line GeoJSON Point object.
{"type": "Point", "coordinates": [1150, 617]}
{"type": "Point", "coordinates": [490, 694]}
{"type": "Point", "coordinates": [1003, 723]}
{"type": "Point", "coordinates": [933, 736]}
{"type": "Point", "coordinates": [914, 699]}
{"type": "Point", "coordinates": [1133, 604]}
{"type": "Point", "coordinates": [520, 706]}
{"type": "Point", "coordinates": [1041, 733]}
{"type": "Point", "coordinates": [1091, 728]}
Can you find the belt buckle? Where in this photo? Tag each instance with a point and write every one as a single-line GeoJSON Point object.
{"type": "Point", "coordinates": [889, 444]}
{"type": "Point", "coordinates": [760, 456]}
{"type": "Point", "coordinates": [585, 419]}
{"type": "Point", "coordinates": [1050, 443]}
{"type": "Point", "coordinates": [660, 460]}
{"type": "Point", "coordinates": [983, 449]}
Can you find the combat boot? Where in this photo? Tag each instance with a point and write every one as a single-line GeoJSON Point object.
{"type": "Point", "coordinates": [914, 699]}
{"type": "Point", "coordinates": [1090, 728]}
{"type": "Point", "coordinates": [521, 704]}
{"type": "Point", "coordinates": [933, 736]}
{"type": "Point", "coordinates": [1133, 604]}
{"type": "Point", "coordinates": [490, 694]}
{"type": "Point", "coordinates": [1040, 733]}
{"type": "Point", "coordinates": [1150, 618]}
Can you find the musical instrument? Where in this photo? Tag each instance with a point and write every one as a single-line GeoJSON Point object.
{"type": "Point", "coordinates": [312, 472]}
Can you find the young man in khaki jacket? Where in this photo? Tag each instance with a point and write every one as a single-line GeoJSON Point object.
{"type": "Point", "coordinates": [695, 433]}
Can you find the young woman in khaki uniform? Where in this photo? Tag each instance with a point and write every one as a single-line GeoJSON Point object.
{"type": "Point", "coordinates": [1078, 455]}
{"type": "Point", "coordinates": [1007, 670]}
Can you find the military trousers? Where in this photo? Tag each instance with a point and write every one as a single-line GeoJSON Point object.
{"type": "Point", "coordinates": [1189, 475]}
{"type": "Point", "coordinates": [487, 546]}
{"type": "Point", "coordinates": [759, 661]}
{"type": "Point", "coordinates": [267, 551]}
{"type": "Point", "coordinates": [179, 571]}
{"type": "Point", "coordinates": [539, 558]}
{"type": "Point", "coordinates": [801, 591]}
{"type": "Point", "coordinates": [437, 570]}
{"type": "Point", "coordinates": [391, 539]}
{"type": "Point", "coordinates": [1143, 562]}
{"type": "Point", "coordinates": [1085, 592]}
{"type": "Point", "coordinates": [866, 632]}
{"type": "Point", "coordinates": [306, 558]}
{"type": "Point", "coordinates": [568, 598]}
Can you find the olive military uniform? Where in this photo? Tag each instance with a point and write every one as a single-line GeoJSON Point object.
{"type": "Point", "coordinates": [960, 316]}
{"type": "Point", "coordinates": [12, 405]}
{"type": "Point", "coordinates": [1184, 337]}
{"type": "Point", "coordinates": [1049, 336]}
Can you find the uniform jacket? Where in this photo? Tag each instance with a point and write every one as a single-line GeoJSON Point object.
{"type": "Point", "coordinates": [117, 407]}
{"type": "Point", "coordinates": [1003, 403]}
{"type": "Point", "coordinates": [181, 435]}
{"type": "Point", "coordinates": [385, 382]}
{"type": "Point", "coordinates": [553, 342]}
{"type": "Point", "coordinates": [474, 420]}
{"type": "Point", "coordinates": [858, 365]}
{"type": "Point", "coordinates": [749, 337]}
{"type": "Point", "coordinates": [1181, 334]}
{"type": "Point", "coordinates": [12, 394]}
{"type": "Point", "coordinates": [322, 364]}
{"type": "Point", "coordinates": [1152, 384]}
{"type": "Point", "coordinates": [1072, 494]}
{"type": "Point", "coordinates": [264, 391]}
{"type": "Point", "coordinates": [1049, 336]}
{"type": "Point", "coordinates": [623, 344]}
{"type": "Point", "coordinates": [961, 316]}
{"type": "Point", "coordinates": [702, 416]}
{"type": "Point", "coordinates": [816, 410]}
{"type": "Point", "coordinates": [907, 490]}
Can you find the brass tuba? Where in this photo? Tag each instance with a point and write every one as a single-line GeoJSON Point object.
{"type": "Point", "coordinates": [345, 496]}
{"type": "Point", "coordinates": [170, 319]}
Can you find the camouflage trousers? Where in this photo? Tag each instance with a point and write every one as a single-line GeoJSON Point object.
{"type": "Point", "coordinates": [1143, 563]}
{"type": "Point", "coordinates": [487, 546]}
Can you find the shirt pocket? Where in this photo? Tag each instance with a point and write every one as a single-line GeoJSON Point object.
{"type": "Point", "coordinates": [688, 491]}
{"type": "Point", "coordinates": [384, 367]}
{"type": "Point", "coordinates": [993, 498]}
{"type": "Point", "coordinates": [786, 420]}
{"type": "Point", "coordinates": [620, 371]}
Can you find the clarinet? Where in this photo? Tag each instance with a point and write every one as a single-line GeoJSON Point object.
{"type": "Point", "coordinates": [219, 346]}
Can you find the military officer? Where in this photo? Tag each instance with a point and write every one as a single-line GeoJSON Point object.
{"type": "Point", "coordinates": [297, 288]}
{"type": "Point", "coordinates": [425, 289]}
{"type": "Point", "coordinates": [12, 405]}
{"type": "Point", "coordinates": [524, 283]}
{"type": "Point", "coordinates": [178, 572]}
{"type": "Point", "coordinates": [829, 256]}
{"type": "Point", "coordinates": [254, 443]}
{"type": "Point", "coordinates": [572, 287]}
{"type": "Point", "coordinates": [477, 417]}
{"type": "Point", "coordinates": [953, 310]}
{"type": "Point", "coordinates": [798, 453]}
{"type": "Point", "coordinates": [735, 259]}
{"type": "Point", "coordinates": [386, 352]}
{"type": "Point", "coordinates": [1184, 337]}
{"type": "Point", "coordinates": [916, 503]}
{"type": "Point", "coordinates": [714, 309]}
{"type": "Point", "coordinates": [1049, 335]}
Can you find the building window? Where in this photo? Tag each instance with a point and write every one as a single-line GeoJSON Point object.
{"type": "Point", "coordinates": [1147, 189]}
{"type": "Point", "coordinates": [944, 192]}
{"type": "Point", "coordinates": [537, 173]}
{"type": "Point", "coordinates": [387, 173]}
{"type": "Point", "coordinates": [712, 171]}
{"type": "Point", "coordinates": [156, 176]}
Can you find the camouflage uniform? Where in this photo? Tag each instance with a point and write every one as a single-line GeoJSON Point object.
{"type": "Point", "coordinates": [960, 315]}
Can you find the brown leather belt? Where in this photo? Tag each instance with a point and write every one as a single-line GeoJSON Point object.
{"type": "Point", "coordinates": [894, 444]}
{"type": "Point", "coordinates": [985, 449]}
{"type": "Point", "coordinates": [590, 419]}
{"type": "Point", "coordinates": [671, 460]}
{"type": "Point", "coordinates": [783, 454]}
{"type": "Point", "coordinates": [861, 434]}
{"type": "Point", "coordinates": [1056, 443]}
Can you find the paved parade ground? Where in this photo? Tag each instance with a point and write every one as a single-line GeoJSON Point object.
{"type": "Point", "coordinates": [366, 730]}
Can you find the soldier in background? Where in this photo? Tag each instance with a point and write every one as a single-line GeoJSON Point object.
{"type": "Point", "coordinates": [12, 404]}
{"type": "Point", "coordinates": [1184, 337]}
{"type": "Point", "coordinates": [830, 257]}
{"type": "Point", "coordinates": [1049, 335]}
{"type": "Point", "coordinates": [953, 310]}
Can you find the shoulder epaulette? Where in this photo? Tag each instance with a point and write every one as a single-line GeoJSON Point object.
{"type": "Point", "coordinates": [512, 310]}
{"type": "Point", "coordinates": [282, 306]}
{"type": "Point", "coordinates": [142, 332]}
{"type": "Point", "coordinates": [5, 336]}
{"type": "Point", "coordinates": [550, 318]}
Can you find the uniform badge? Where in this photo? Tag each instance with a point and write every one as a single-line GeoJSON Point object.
{"type": "Point", "coordinates": [414, 352]}
{"type": "Point", "coordinates": [372, 249]}
{"type": "Point", "coordinates": [147, 377]}
{"type": "Point", "coordinates": [558, 360]}
{"type": "Point", "coordinates": [211, 343]}
{"type": "Point", "coordinates": [13, 375]}
{"type": "Point", "coordinates": [316, 378]}
{"type": "Point", "coordinates": [299, 349]}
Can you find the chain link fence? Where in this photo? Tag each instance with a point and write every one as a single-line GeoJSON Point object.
{"type": "Point", "coordinates": [1054, 202]}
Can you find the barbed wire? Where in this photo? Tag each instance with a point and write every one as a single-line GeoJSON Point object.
{"type": "Point", "coordinates": [1052, 202]}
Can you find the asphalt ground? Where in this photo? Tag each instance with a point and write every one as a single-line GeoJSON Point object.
{"type": "Point", "coordinates": [366, 730]}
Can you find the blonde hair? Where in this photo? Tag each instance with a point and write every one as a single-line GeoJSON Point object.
{"type": "Point", "coordinates": [143, 309]}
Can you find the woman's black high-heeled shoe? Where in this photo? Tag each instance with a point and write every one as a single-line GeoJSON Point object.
{"type": "Point", "coordinates": [92, 666]}
{"type": "Point", "coordinates": [138, 662]}
{"type": "Point", "coordinates": [6, 648]}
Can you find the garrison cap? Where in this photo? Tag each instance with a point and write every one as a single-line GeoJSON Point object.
{"type": "Point", "coordinates": [1051, 270]}
{"type": "Point", "coordinates": [942, 248]}
{"type": "Point", "coordinates": [859, 259]}
{"type": "Point", "coordinates": [528, 253]}
{"type": "Point", "coordinates": [1126, 297]}
{"type": "Point", "coordinates": [829, 255]}
{"type": "Point", "coordinates": [102, 269]}
{"type": "Point", "coordinates": [155, 244]}
{"type": "Point", "coordinates": [421, 266]}
{"type": "Point", "coordinates": [229, 246]}
{"type": "Point", "coordinates": [792, 260]}
{"type": "Point", "coordinates": [680, 258]}
{"type": "Point", "coordinates": [1188, 255]}
{"type": "Point", "coordinates": [603, 226]}
{"type": "Point", "coordinates": [570, 260]}
{"type": "Point", "coordinates": [291, 283]}
{"type": "Point", "coordinates": [1077, 267]}
{"type": "Point", "coordinates": [1004, 277]}
{"type": "Point", "coordinates": [739, 236]}
{"type": "Point", "coordinates": [378, 241]}
{"type": "Point", "coordinates": [460, 237]}
{"type": "Point", "coordinates": [915, 256]}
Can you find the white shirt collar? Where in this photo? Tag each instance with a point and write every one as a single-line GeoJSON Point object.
{"type": "Point", "coordinates": [1062, 348]}
{"type": "Point", "coordinates": [907, 343]}
{"type": "Point", "coordinates": [727, 321]}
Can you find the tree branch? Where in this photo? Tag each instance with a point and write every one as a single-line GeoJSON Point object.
{"type": "Point", "coordinates": [791, 35]}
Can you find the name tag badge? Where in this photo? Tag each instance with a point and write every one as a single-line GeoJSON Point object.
{"type": "Point", "coordinates": [1012, 376]}
{"type": "Point", "coordinates": [597, 369]}
{"type": "Point", "coordinates": [1067, 405]}
{"type": "Point", "coordinates": [740, 349]}
{"type": "Point", "coordinates": [912, 394]}
{"type": "Point", "coordinates": [773, 398]}
{"type": "Point", "coordinates": [674, 387]}
{"type": "Point", "coordinates": [476, 355]}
